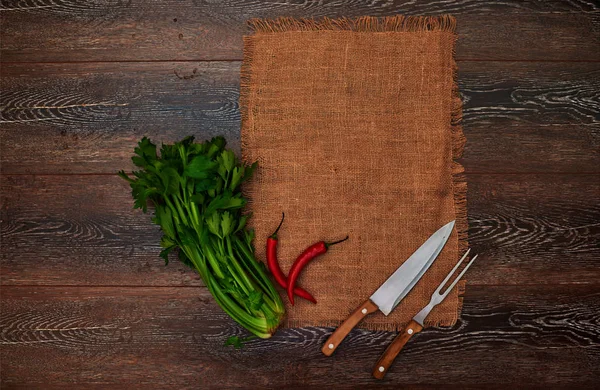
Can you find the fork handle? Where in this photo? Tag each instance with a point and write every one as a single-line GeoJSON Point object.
{"type": "Point", "coordinates": [342, 331]}
{"type": "Point", "coordinates": [386, 360]}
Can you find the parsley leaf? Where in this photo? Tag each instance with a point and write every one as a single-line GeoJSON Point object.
{"type": "Point", "coordinates": [201, 167]}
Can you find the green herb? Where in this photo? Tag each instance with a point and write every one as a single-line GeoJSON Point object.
{"type": "Point", "coordinates": [238, 342]}
{"type": "Point", "coordinates": [194, 189]}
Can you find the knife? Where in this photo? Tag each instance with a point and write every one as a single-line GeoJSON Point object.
{"type": "Point", "coordinates": [395, 288]}
{"type": "Point", "coordinates": [416, 324]}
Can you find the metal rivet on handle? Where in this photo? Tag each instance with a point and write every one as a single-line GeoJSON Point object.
{"type": "Point", "coordinates": [364, 311]}
{"type": "Point", "coordinates": [330, 346]}
{"type": "Point", "coordinates": [381, 369]}
{"type": "Point", "coordinates": [410, 331]}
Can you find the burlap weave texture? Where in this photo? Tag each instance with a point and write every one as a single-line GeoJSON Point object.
{"type": "Point", "coordinates": [354, 123]}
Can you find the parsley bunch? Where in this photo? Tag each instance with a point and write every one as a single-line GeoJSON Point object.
{"type": "Point", "coordinates": [194, 189]}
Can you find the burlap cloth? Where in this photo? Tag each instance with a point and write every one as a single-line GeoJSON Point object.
{"type": "Point", "coordinates": [354, 124]}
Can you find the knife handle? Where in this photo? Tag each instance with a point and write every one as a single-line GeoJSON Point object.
{"type": "Point", "coordinates": [342, 331]}
{"type": "Point", "coordinates": [386, 360]}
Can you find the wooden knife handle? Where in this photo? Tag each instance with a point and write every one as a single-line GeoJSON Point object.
{"type": "Point", "coordinates": [386, 360]}
{"type": "Point", "coordinates": [342, 331]}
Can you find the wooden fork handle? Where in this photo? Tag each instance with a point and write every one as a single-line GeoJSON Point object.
{"type": "Point", "coordinates": [342, 331]}
{"type": "Point", "coordinates": [386, 360]}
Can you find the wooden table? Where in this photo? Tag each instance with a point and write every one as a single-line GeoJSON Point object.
{"type": "Point", "coordinates": [86, 302]}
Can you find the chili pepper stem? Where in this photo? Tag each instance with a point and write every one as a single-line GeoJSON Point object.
{"type": "Point", "coordinates": [274, 235]}
{"type": "Point", "coordinates": [328, 244]}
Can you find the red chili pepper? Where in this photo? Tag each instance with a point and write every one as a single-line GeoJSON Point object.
{"type": "Point", "coordinates": [306, 257]}
{"type": "Point", "coordinates": [273, 265]}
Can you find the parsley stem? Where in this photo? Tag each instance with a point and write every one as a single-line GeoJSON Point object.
{"type": "Point", "coordinates": [238, 268]}
{"type": "Point", "coordinates": [213, 261]}
{"type": "Point", "coordinates": [177, 201]}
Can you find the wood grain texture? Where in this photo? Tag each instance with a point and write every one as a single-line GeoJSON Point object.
{"type": "Point", "coordinates": [81, 230]}
{"type": "Point", "coordinates": [175, 336]}
{"type": "Point", "coordinates": [134, 30]}
{"type": "Point", "coordinates": [89, 115]}
{"type": "Point", "coordinates": [86, 118]}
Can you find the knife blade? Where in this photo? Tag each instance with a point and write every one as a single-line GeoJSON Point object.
{"type": "Point", "coordinates": [395, 288]}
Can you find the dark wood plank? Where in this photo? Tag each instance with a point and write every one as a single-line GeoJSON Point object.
{"type": "Point", "coordinates": [81, 230]}
{"type": "Point", "coordinates": [50, 30]}
{"type": "Point", "coordinates": [59, 117]}
{"type": "Point", "coordinates": [534, 229]}
{"type": "Point", "coordinates": [86, 118]}
{"type": "Point", "coordinates": [173, 337]}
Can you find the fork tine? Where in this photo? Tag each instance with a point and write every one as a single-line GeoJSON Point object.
{"type": "Point", "coordinates": [452, 272]}
{"type": "Point", "coordinates": [458, 277]}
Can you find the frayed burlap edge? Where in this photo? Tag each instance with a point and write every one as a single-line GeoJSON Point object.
{"type": "Point", "coordinates": [396, 23]}
{"type": "Point", "coordinates": [459, 183]}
